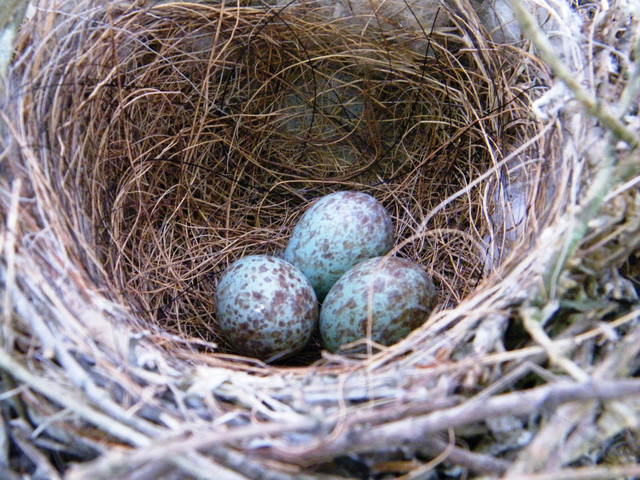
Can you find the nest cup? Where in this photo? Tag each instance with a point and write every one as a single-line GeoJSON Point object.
{"type": "Point", "coordinates": [188, 136]}
{"type": "Point", "coordinates": [149, 146]}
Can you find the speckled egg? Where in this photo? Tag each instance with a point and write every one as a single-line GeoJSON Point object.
{"type": "Point", "coordinates": [402, 298]}
{"type": "Point", "coordinates": [337, 232]}
{"type": "Point", "coordinates": [265, 307]}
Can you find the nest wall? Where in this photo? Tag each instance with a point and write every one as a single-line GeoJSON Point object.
{"type": "Point", "coordinates": [148, 146]}
{"type": "Point", "coordinates": [202, 135]}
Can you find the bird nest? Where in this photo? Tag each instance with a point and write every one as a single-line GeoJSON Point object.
{"type": "Point", "coordinates": [146, 146]}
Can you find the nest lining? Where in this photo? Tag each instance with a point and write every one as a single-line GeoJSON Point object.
{"type": "Point", "coordinates": [185, 136]}
{"type": "Point", "coordinates": [207, 131]}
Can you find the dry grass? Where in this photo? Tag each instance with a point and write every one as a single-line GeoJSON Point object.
{"type": "Point", "coordinates": [147, 147]}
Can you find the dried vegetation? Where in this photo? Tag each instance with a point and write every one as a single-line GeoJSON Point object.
{"type": "Point", "coordinates": [145, 147]}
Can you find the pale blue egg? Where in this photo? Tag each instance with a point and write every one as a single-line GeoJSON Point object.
{"type": "Point", "coordinates": [337, 232]}
{"type": "Point", "coordinates": [265, 307]}
{"type": "Point", "coordinates": [401, 295]}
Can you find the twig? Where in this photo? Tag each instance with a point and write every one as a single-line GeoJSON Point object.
{"type": "Point", "coordinates": [619, 361]}
{"type": "Point", "coordinates": [476, 462]}
{"type": "Point", "coordinates": [607, 174]}
{"type": "Point", "coordinates": [65, 398]}
{"type": "Point", "coordinates": [192, 463]}
{"type": "Point", "coordinates": [547, 449]}
{"type": "Point", "coordinates": [533, 320]}
{"type": "Point", "coordinates": [20, 434]}
{"type": "Point", "coordinates": [120, 465]}
{"type": "Point", "coordinates": [571, 430]}
{"type": "Point", "coordinates": [412, 430]}
{"type": "Point", "coordinates": [9, 247]}
{"type": "Point", "coordinates": [77, 374]}
{"type": "Point", "coordinates": [199, 441]}
{"type": "Point", "coordinates": [584, 473]}
{"type": "Point", "coordinates": [629, 96]}
{"type": "Point", "coordinates": [548, 53]}
{"type": "Point", "coordinates": [246, 466]}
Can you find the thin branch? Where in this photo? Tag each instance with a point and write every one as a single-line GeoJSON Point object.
{"type": "Point", "coordinates": [116, 464]}
{"type": "Point", "coordinates": [65, 398]}
{"type": "Point", "coordinates": [248, 467]}
{"type": "Point", "coordinates": [585, 473]}
{"type": "Point", "coordinates": [413, 430]}
{"type": "Point", "coordinates": [193, 463]}
{"type": "Point", "coordinates": [533, 320]}
{"type": "Point", "coordinates": [609, 172]}
{"type": "Point", "coordinates": [476, 462]}
{"type": "Point", "coordinates": [21, 435]}
{"type": "Point", "coordinates": [548, 53]}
